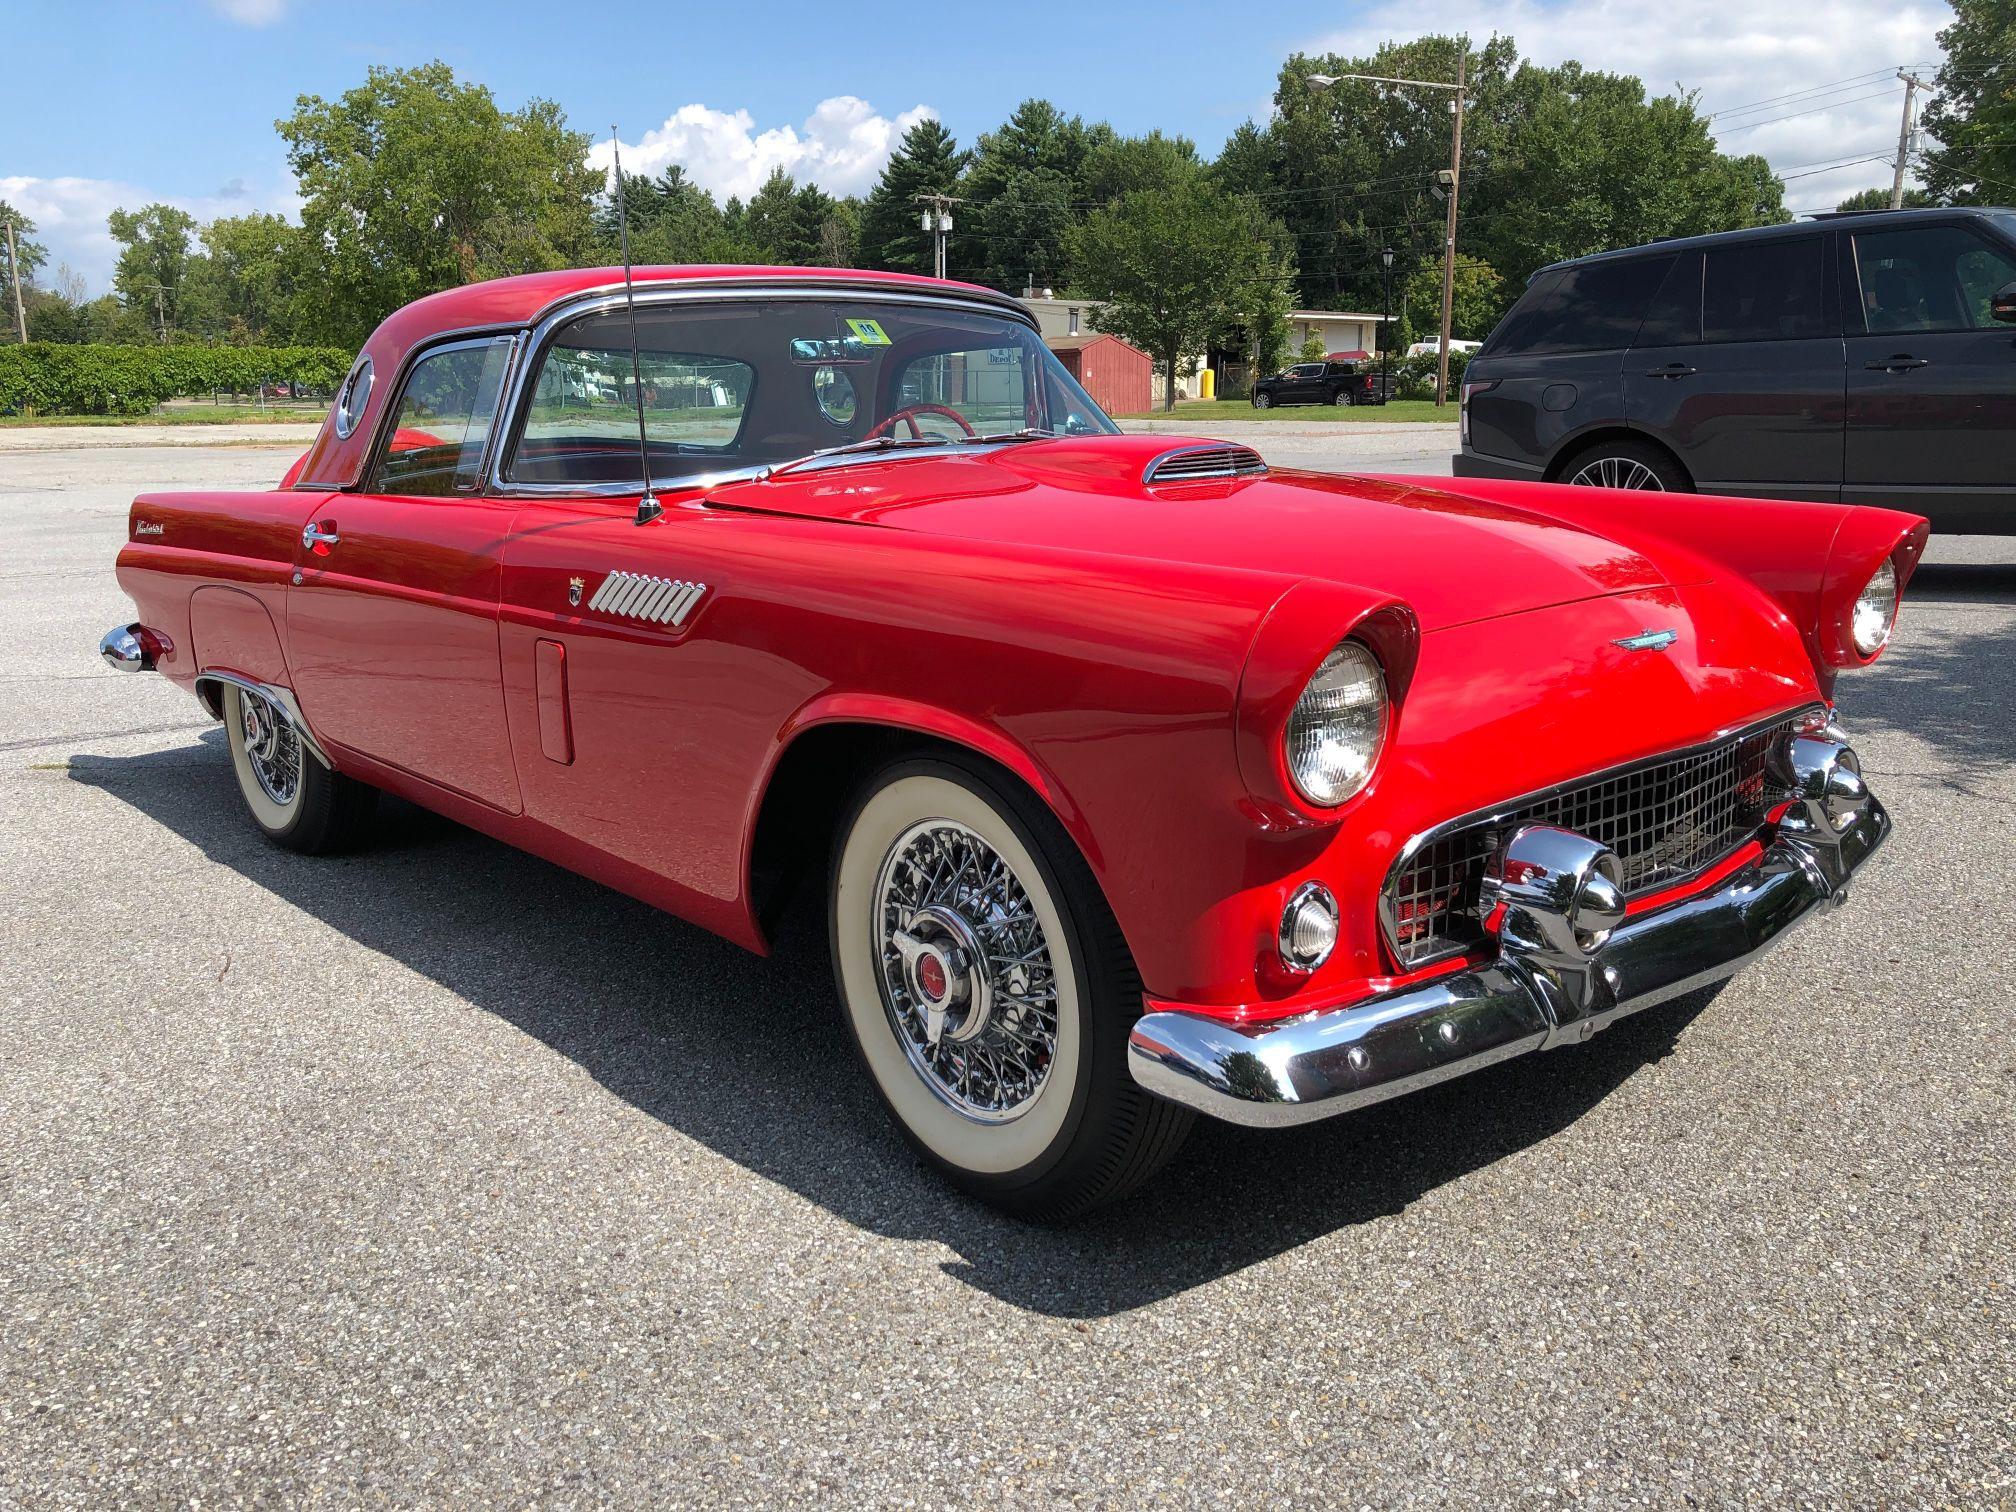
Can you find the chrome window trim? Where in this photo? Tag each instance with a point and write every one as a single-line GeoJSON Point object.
{"type": "Point", "coordinates": [1507, 809]}
{"type": "Point", "coordinates": [690, 291]}
{"type": "Point", "coordinates": [447, 341]}
{"type": "Point", "coordinates": [363, 370]}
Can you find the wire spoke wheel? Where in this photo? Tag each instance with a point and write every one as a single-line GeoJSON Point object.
{"type": "Point", "coordinates": [272, 747]}
{"type": "Point", "coordinates": [966, 972]}
{"type": "Point", "coordinates": [1617, 472]}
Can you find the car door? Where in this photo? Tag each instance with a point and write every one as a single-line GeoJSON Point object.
{"type": "Point", "coordinates": [1931, 376]}
{"type": "Point", "coordinates": [1738, 369]}
{"type": "Point", "coordinates": [392, 619]}
{"type": "Point", "coordinates": [1304, 385]}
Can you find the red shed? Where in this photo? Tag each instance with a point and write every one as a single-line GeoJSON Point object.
{"type": "Point", "coordinates": [1119, 377]}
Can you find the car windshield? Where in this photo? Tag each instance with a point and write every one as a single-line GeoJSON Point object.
{"type": "Point", "coordinates": [751, 382]}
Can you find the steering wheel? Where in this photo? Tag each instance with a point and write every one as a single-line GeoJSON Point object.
{"type": "Point", "coordinates": [887, 426]}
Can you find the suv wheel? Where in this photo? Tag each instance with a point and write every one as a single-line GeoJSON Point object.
{"type": "Point", "coordinates": [1625, 464]}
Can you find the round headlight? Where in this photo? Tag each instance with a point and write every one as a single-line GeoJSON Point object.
{"type": "Point", "coordinates": [1337, 727]}
{"type": "Point", "coordinates": [1875, 611]}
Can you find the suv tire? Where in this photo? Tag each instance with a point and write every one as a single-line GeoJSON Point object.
{"type": "Point", "coordinates": [1627, 465]}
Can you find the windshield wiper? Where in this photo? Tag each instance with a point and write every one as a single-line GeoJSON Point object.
{"type": "Point", "coordinates": [893, 443]}
{"type": "Point", "coordinates": [1027, 433]}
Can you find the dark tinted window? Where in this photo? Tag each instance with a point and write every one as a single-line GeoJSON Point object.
{"type": "Point", "coordinates": [1763, 291]}
{"type": "Point", "coordinates": [1674, 317]}
{"type": "Point", "coordinates": [1929, 278]}
{"type": "Point", "coordinates": [1582, 309]}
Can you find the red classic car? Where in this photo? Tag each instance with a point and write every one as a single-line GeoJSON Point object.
{"type": "Point", "coordinates": [1141, 779]}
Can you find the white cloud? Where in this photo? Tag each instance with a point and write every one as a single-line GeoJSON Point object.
{"type": "Point", "coordinates": [69, 215]}
{"type": "Point", "coordinates": [250, 12]}
{"type": "Point", "coordinates": [841, 147]}
{"type": "Point", "coordinates": [1734, 53]}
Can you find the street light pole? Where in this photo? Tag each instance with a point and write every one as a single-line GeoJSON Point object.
{"type": "Point", "coordinates": [14, 283]}
{"type": "Point", "coordinates": [1455, 171]}
{"type": "Point", "coordinates": [1385, 326]}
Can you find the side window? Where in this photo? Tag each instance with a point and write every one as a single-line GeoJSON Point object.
{"type": "Point", "coordinates": [988, 386]}
{"type": "Point", "coordinates": [1928, 278]}
{"type": "Point", "coordinates": [1674, 316]}
{"type": "Point", "coordinates": [1763, 291]}
{"type": "Point", "coordinates": [442, 422]}
{"type": "Point", "coordinates": [1583, 309]}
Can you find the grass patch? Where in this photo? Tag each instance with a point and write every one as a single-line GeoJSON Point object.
{"type": "Point", "coordinates": [183, 414]}
{"type": "Point", "coordinates": [1397, 411]}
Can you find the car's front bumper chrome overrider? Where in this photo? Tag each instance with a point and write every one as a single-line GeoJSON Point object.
{"type": "Point", "coordinates": [1566, 967]}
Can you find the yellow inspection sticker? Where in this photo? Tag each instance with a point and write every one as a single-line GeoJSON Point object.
{"type": "Point", "coordinates": [869, 332]}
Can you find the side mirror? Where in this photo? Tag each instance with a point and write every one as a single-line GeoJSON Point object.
{"type": "Point", "coordinates": [2003, 306]}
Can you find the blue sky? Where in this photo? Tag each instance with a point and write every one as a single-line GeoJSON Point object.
{"type": "Point", "coordinates": [123, 102]}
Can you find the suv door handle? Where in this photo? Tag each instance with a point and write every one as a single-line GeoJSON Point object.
{"type": "Point", "coordinates": [1671, 370]}
{"type": "Point", "coordinates": [318, 540]}
{"type": "Point", "coordinates": [1900, 363]}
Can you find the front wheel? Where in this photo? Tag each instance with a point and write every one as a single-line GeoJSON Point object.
{"type": "Point", "coordinates": [296, 801]}
{"type": "Point", "coordinates": [989, 993]}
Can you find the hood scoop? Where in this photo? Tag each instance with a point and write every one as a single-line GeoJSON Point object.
{"type": "Point", "coordinates": [1199, 464]}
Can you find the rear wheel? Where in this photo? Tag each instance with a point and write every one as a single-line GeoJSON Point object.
{"type": "Point", "coordinates": [989, 993]}
{"type": "Point", "coordinates": [1625, 464]}
{"type": "Point", "coordinates": [1342, 396]}
{"type": "Point", "coordinates": [296, 801]}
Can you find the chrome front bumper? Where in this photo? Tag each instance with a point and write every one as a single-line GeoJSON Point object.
{"type": "Point", "coordinates": [1559, 977]}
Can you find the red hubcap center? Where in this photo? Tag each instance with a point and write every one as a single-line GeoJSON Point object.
{"type": "Point", "coordinates": [931, 977]}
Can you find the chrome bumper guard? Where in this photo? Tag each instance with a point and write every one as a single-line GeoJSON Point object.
{"type": "Point", "coordinates": [1568, 964]}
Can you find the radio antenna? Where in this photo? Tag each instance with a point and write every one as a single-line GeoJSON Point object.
{"type": "Point", "coordinates": [648, 507]}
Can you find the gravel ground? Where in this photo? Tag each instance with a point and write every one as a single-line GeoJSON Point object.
{"type": "Point", "coordinates": [436, 1174]}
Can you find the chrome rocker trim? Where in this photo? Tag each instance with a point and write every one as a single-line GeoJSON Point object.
{"type": "Point", "coordinates": [1560, 975]}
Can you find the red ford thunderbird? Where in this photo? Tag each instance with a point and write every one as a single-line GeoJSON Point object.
{"type": "Point", "coordinates": [1141, 780]}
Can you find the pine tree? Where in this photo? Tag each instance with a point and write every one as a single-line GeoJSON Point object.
{"type": "Point", "coordinates": [927, 162]}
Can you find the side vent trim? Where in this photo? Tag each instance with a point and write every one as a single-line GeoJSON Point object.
{"type": "Point", "coordinates": [1195, 464]}
{"type": "Point", "coordinates": [655, 600]}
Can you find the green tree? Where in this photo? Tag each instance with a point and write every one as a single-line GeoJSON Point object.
{"type": "Point", "coordinates": [1037, 156]}
{"type": "Point", "coordinates": [29, 255]}
{"type": "Point", "coordinates": [414, 182]}
{"type": "Point", "coordinates": [1176, 269]}
{"type": "Point", "coordinates": [1973, 113]}
{"type": "Point", "coordinates": [1116, 165]}
{"type": "Point", "coordinates": [1023, 230]}
{"type": "Point", "coordinates": [928, 161]}
{"type": "Point", "coordinates": [154, 256]}
{"type": "Point", "coordinates": [1879, 199]}
{"type": "Point", "coordinates": [1477, 299]}
{"type": "Point", "coordinates": [244, 285]}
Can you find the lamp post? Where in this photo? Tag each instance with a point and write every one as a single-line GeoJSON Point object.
{"type": "Point", "coordinates": [1454, 174]}
{"type": "Point", "coordinates": [1385, 324]}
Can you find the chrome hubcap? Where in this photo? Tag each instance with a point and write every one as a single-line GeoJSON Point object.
{"type": "Point", "coordinates": [1618, 472]}
{"type": "Point", "coordinates": [271, 745]}
{"type": "Point", "coordinates": [966, 976]}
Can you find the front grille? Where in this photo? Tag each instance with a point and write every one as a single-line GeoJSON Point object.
{"type": "Point", "coordinates": [1666, 819]}
{"type": "Point", "coordinates": [1191, 464]}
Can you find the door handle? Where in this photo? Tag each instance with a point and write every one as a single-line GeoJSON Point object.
{"type": "Point", "coordinates": [318, 540]}
{"type": "Point", "coordinates": [1671, 370]}
{"type": "Point", "coordinates": [1902, 362]}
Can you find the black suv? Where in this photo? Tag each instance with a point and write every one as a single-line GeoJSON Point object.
{"type": "Point", "coordinates": [1868, 357]}
{"type": "Point", "coordinates": [1328, 382]}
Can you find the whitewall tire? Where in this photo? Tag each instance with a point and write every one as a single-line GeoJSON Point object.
{"type": "Point", "coordinates": [296, 801]}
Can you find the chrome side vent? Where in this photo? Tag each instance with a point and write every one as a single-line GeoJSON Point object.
{"type": "Point", "coordinates": [1192, 464]}
{"type": "Point", "coordinates": [655, 600]}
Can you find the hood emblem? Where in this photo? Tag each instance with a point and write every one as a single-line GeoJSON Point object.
{"type": "Point", "coordinates": [1648, 640]}
{"type": "Point", "coordinates": [574, 587]}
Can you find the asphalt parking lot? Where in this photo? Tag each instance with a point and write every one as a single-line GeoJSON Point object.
{"type": "Point", "coordinates": [437, 1174]}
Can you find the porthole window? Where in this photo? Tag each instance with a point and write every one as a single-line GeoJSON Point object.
{"type": "Point", "coordinates": [834, 391]}
{"type": "Point", "coordinates": [352, 398]}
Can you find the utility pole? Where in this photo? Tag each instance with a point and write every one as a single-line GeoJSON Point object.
{"type": "Point", "coordinates": [1912, 84]}
{"type": "Point", "coordinates": [14, 283]}
{"type": "Point", "coordinates": [1453, 174]}
{"type": "Point", "coordinates": [937, 223]}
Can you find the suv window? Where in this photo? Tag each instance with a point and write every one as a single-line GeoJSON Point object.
{"type": "Point", "coordinates": [1763, 291]}
{"type": "Point", "coordinates": [442, 420]}
{"type": "Point", "coordinates": [1674, 317]}
{"type": "Point", "coordinates": [1582, 309]}
{"type": "Point", "coordinates": [1928, 278]}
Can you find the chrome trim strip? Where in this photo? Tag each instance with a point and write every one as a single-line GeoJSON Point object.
{"type": "Point", "coordinates": [1340, 1059]}
{"type": "Point", "coordinates": [1236, 466]}
{"type": "Point", "coordinates": [1510, 808]}
{"type": "Point", "coordinates": [638, 595]}
{"type": "Point", "coordinates": [684, 291]}
{"type": "Point", "coordinates": [279, 695]}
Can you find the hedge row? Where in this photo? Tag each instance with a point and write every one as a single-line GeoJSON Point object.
{"type": "Point", "coordinates": [49, 378]}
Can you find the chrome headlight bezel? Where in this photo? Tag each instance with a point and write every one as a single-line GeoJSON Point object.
{"type": "Point", "coordinates": [1337, 728]}
{"type": "Point", "coordinates": [1873, 615]}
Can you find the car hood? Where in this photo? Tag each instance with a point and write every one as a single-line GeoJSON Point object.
{"type": "Point", "coordinates": [1455, 560]}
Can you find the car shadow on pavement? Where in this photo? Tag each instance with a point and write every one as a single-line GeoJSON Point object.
{"type": "Point", "coordinates": [1949, 686]}
{"type": "Point", "coordinates": [748, 1056]}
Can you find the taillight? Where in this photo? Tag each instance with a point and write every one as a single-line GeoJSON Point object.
{"type": "Point", "coordinates": [1463, 408]}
